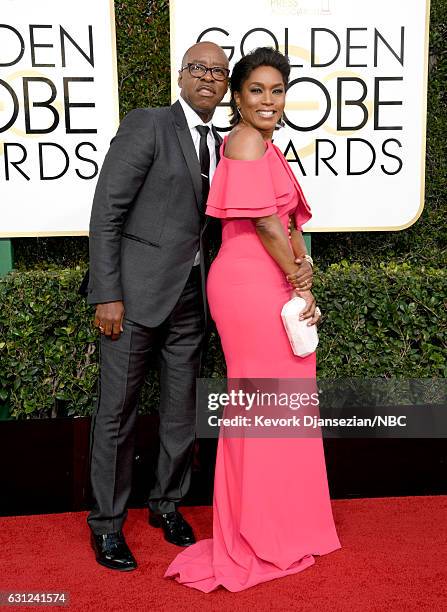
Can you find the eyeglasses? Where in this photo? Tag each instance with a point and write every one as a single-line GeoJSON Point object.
{"type": "Point", "coordinates": [199, 70]}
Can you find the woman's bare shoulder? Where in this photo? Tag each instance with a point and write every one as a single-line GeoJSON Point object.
{"type": "Point", "coordinates": [244, 143]}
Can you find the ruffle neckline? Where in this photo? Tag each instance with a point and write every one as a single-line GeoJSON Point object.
{"type": "Point", "coordinates": [256, 188]}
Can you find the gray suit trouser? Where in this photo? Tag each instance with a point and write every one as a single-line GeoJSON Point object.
{"type": "Point", "coordinates": [122, 370]}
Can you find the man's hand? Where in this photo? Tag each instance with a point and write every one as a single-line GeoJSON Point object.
{"type": "Point", "coordinates": [109, 319]}
{"type": "Point", "coordinates": [301, 280]}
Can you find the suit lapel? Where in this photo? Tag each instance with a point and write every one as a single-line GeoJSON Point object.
{"type": "Point", "coordinates": [188, 150]}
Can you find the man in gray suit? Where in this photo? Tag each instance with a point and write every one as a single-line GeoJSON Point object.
{"type": "Point", "coordinates": [147, 278]}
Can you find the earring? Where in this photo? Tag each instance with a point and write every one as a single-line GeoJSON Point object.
{"type": "Point", "coordinates": [239, 111]}
{"type": "Point", "coordinates": [281, 123]}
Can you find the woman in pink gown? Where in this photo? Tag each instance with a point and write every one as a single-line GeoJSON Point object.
{"type": "Point", "coordinates": [271, 508]}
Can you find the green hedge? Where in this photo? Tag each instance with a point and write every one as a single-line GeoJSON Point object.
{"type": "Point", "coordinates": [388, 321]}
{"type": "Point", "coordinates": [142, 29]}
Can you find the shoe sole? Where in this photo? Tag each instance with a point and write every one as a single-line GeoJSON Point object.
{"type": "Point", "coordinates": [118, 569]}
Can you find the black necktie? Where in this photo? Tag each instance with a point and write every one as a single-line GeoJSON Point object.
{"type": "Point", "coordinates": [204, 158]}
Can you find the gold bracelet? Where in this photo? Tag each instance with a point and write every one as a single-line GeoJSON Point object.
{"type": "Point", "coordinates": [309, 259]}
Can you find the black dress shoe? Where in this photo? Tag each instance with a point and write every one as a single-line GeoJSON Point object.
{"type": "Point", "coordinates": [112, 551]}
{"type": "Point", "coordinates": [176, 529]}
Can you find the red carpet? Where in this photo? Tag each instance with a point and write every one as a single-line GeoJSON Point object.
{"type": "Point", "coordinates": [393, 557]}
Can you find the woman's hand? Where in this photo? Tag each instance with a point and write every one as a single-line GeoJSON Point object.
{"type": "Point", "coordinates": [311, 311]}
{"type": "Point", "coordinates": [301, 280]}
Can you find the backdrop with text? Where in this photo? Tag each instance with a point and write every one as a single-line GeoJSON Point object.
{"type": "Point", "coordinates": [356, 105]}
{"type": "Point", "coordinates": [58, 112]}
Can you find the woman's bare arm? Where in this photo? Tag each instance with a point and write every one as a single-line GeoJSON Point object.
{"type": "Point", "coordinates": [272, 235]}
{"type": "Point", "coordinates": [303, 278]}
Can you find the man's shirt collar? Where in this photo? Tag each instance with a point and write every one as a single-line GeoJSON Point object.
{"type": "Point", "coordinates": [192, 118]}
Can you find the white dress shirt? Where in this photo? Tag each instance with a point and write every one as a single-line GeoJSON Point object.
{"type": "Point", "coordinates": [193, 120]}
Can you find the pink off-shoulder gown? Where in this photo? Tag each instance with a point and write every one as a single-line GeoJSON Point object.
{"type": "Point", "coordinates": [271, 510]}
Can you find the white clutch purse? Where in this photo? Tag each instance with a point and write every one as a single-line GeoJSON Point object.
{"type": "Point", "coordinates": [303, 338]}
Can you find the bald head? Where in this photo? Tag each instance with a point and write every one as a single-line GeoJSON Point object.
{"type": "Point", "coordinates": [205, 47]}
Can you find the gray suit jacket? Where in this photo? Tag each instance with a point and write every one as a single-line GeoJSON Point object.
{"type": "Point", "coordinates": [147, 220]}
